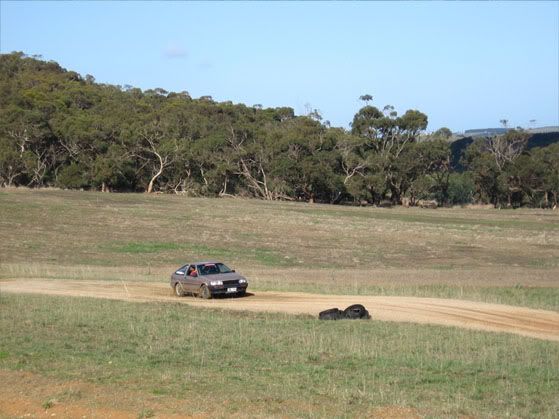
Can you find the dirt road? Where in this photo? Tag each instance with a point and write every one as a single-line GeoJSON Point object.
{"type": "Point", "coordinates": [467, 314]}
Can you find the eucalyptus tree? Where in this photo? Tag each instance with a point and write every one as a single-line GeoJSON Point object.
{"type": "Point", "coordinates": [490, 185]}
{"type": "Point", "coordinates": [443, 133]}
{"type": "Point", "coordinates": [366, 98]}
{"type": "Point", "coordinates": [536, 175]}
{"type": "Point", "coordinates": [57, 128]}
{"type": "Point", "coordinates": [387, 137]}
{"type": "Point", "coordinates": [492, 162]}
{"type": "Point", "coordinates": [508, 147]}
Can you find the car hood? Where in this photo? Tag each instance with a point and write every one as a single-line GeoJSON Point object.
{"type": "Point", "coordinates": [222, 277]}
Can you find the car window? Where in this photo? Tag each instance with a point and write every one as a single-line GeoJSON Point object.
{"type": "Point", "coordinates": [213, 269]}
{"type": "Point", "coordinates": [181, 270]}
{"type": "Point", "coordinates": [223, 269]}
{"type": "Point", "coordinates": [208, 269]}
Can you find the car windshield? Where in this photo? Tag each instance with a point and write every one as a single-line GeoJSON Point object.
{"type": "Point", "coordinates": [213, 269]}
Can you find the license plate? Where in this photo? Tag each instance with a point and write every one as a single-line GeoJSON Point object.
{"type": "Point", "coordinates": [231, 289]}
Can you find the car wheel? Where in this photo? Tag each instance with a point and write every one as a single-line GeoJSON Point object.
{"type": "Point", "coordinates": [179, 292]}
{"type": "Point", "coordinates": [205, 292]}
{"type": "Point", "coordinates": [241, 293]}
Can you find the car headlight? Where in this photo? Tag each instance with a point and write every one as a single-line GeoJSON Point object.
{"type": "Point", "coordinates": [214, 283]}
{"type": "Point", "coordinates": [242, 281]}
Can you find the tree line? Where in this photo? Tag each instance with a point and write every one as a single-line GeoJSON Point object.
{"type": "Point", "coordinates": [58, 128]}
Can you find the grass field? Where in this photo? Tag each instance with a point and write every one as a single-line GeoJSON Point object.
{"type": "Point", "coordinates": [76, 228]}
{"type": "Point", "coordinates": [487, 255]}
{"type": "Point", "coordinates": [290, 365]}
{"type": "Point", "coordinates": [224, 363]}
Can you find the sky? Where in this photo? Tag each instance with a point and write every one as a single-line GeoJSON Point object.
{"type": "Point", "coordinates": [465, 64]}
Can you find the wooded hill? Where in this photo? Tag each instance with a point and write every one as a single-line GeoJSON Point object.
{"type": "Point", "coordinates": [58, 128]}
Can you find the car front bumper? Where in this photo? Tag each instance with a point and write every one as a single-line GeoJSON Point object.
{"type": "Point", "coordinates": [228, 289]}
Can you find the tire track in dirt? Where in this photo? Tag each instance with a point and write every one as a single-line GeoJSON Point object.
{"type": "Point", "coordinates": [523, 321]}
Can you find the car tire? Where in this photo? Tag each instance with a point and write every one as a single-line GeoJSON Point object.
{"type": "Point", "coordinates": [241, 293]}
{"type": "Point", "coordinates": [205, 292]}
{"type": "Point", "coordinates": [179, 291]}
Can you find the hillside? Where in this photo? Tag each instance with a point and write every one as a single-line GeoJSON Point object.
{"type": "Point", "coordinates": [540, 139]}
{"type": "Point", "coordinates": [59, 128]}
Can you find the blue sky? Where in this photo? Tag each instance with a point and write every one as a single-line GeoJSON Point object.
{"type": "Point", "coordinates": [465, 64]}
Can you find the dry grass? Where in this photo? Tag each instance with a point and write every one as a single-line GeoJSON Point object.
{"type": "Point", "coordinates": [284, 246]}
{"type": "Point", "coordinates": [77, 228]}
{"type": "Point", "coordinates": [291, 366]}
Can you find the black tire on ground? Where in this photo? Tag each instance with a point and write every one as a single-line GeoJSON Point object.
{"type": "Point", "coordinates": [179, 292]}
{"type": "Point", "coordinates": [241, 293]}
{"type": "Point", "coordinates": [331, 314]}
{"type": "Point", "coordinates": [356, 311]}
{"type": "Point", "coordinates": [205, 292]}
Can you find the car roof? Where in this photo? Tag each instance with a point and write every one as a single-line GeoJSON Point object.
{"type": "Point", "coordinates": [204, 262]}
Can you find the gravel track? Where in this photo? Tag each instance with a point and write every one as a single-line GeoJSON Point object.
{"type": "Point", "coordinates": [539, 324]}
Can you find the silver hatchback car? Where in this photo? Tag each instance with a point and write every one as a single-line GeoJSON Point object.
{"type": "Point", "coordinates": [208, 279]}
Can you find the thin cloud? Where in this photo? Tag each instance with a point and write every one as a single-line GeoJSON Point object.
{"type": "Point", "coordinates": [175, 50]}
{"type": "Point", "coordinates": [205, 65]}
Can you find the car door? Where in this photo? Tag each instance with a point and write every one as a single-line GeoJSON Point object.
{"type": "Point", "coordinates": [191, 283]}
{"type": "Point", "coordinates": [178, 275]}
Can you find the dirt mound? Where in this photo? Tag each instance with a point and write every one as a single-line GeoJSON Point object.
{"type": "Point", "coordinates": [459, 313]}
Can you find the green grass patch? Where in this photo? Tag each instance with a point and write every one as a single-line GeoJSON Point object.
{"type": "Point", "coordinates": [266, 364]}
{"type": "Point", "coordinates": [187, 252]}
{"type": "Point", "coordinates": [47, 404]}
{"type": "Point", "coordinates": [437, 217]}
{"type": "Point", "coordinates": [143, 247]}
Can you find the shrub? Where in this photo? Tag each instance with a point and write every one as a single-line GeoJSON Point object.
{"type": "Point", "coordinates": [460, 189]}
